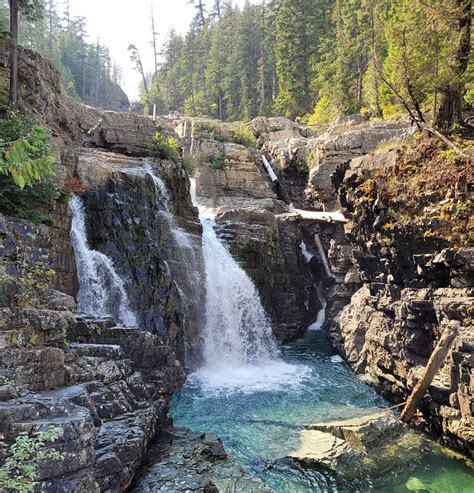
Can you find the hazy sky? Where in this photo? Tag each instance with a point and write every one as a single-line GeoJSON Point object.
{"type": "Point", "coordinates": [117, 23]}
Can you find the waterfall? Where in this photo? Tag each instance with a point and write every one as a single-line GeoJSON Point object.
{"type": "Point", "coordinates": [320, 319]}
{"type": "Point", "coordinates": [184, 241]}
{"type": "Point", "coordinates": [240, 351]}
{"type": "Point", "coordinates": [102, 292]}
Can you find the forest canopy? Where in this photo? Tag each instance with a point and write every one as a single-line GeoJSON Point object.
{"type": "Point", "coordinates": [87, 70]}
{"type": "Point", "coordinates": [314, 58]}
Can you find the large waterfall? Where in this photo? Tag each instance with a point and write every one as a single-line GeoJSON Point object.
{"type": "Point", "coordinates": [240, 351]}
{"type": "Point", "coordinates": [102, 292]}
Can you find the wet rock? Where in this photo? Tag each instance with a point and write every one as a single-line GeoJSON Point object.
{"type": "Point", "coordinates": [56, 300]}
{"type": "Point", "coordinates": [269, 250]}
{"type": "Point", "coordinates": [129, 220]}
{"type": "Point", "coordinates": [318, 449]}
{"type": "Point", "coordinates": [195, 462]}
{"type": "Point", "coordinates": [365, 433]}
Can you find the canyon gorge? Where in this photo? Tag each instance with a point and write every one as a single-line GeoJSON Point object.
{"type": "Point", "coordinates": [238, 316]}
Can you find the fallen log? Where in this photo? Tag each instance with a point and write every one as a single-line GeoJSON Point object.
{"type": "Point", "coordinates": [434, 364]}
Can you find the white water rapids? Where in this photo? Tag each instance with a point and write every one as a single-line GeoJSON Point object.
{"type": "Point", "coordinates": [240, 351]}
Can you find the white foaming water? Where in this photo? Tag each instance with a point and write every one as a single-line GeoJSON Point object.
{"type": "Point", "coordinates": [304, 250]}
{"type": "Point", "coordinates": [240, 351]}
{"type": "Point", "coordinates": [102, 291]}
{"type": "Point", "coordinates": [321, 318]}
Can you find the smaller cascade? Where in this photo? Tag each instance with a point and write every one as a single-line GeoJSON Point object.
{"type": "Point", "coordinates": [320, 319]}
{"type": "Point", "coordinates": [102, 292]}
{"type": "Point", "coordinates": [184, 240]}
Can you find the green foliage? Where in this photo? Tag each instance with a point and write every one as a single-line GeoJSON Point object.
{"type": "Point", "coordinates": [300, 26]}
{"type": "Point", "coordinates": [23, 339]}
{"type": "Point", "coordinates": [32, 203]}
{"type": "Point", "coordinates": [218, 162]}
{"type": "Point", "coordinates": [324, 112]}
{"type": "Point", "coordinates": [26, 167]}
{"type": "Point", "coordinates": [24, 152]}
{"type": "Point", "coordinates": [244, 135]}
{"type": "Point", "coordinates": [19, 471]}
{"type": "Point", "coordinates": [165, 147]}
{"type": "Point", "coordinates": [188, 166]}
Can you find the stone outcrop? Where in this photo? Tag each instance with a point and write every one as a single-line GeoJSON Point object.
{"type": "Point", "coordinates": [127, 133]}
{"type": "Point", "coordinates": [195, 462]}
{"type": "Point", "coordinates": [41, 92]}
{"type": "Point", "coordinates": [390, 294]}
{"type": "Point", "coordinates": [368, 446]}
{"type": "Point", "coordinates": [152, 236]}
{"type": "Point", "coordinates": [305, 162]}
{"type": "Point", "coordinates": [106, 392]}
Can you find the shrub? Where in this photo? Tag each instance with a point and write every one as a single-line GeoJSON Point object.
{"type": "Point", "coordinates": [19, 471]}
{"type": "Point", "coordinates": [216, 132]}
{"type": "Point", "coordinates": [324, 112]}
{"type": "Point", "coordinates": [32, 203]}
{"type": "Point", "coordinates": [26, 165]}
{"type": "Point", "coordinates": [243, 135]}
{"type": "Point", "coordinates": [218, 162]}
{"type": "Point", "coordinates": [165, 147]}
{"type": "Point", "coordinates": [188, 166]}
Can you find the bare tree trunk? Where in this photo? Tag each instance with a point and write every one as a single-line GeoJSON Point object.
{"type": "Point", "coordinates": [154, 33]}
{"type": "Point", "coordinates": [14, 54]}
{"type": "Point", "coordinates": [450, 105]}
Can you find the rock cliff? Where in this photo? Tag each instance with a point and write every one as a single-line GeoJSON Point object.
{"type": "Point", "coordinates": [392, 288]}
{"type": "Point", "coordinates": [413, 285]}
{"type": "Point", "coordinates": [104, 388]}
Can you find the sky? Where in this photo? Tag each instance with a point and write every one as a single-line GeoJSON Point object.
{"type": "Point", "coordinates": [119, 23]}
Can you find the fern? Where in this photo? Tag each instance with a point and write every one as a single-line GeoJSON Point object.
{"type": "Point", "coordinates": [25, 157]}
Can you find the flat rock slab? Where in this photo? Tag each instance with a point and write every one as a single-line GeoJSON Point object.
{"type": "Point", "coordinates": [323, 449]}
{"type": "Point", "coordinates": [365, 433]}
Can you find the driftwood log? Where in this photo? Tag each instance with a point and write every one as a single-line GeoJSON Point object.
{"type": "Point", "coordinates": [434, 364]}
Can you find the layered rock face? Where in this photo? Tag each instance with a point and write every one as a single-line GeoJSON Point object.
{"type": "Point", "coordinates": [153, 236]}
{"type": "Point", "coordinates": [305, 161]}
{"type": "Point", "coordinates": [104, 389]}
{"type": "Point", "coordinates": [411, 291]}
{"type": "Point", "coordinates": [231, 178]}
{"type": "Point", "coordinates": [390, 296]}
